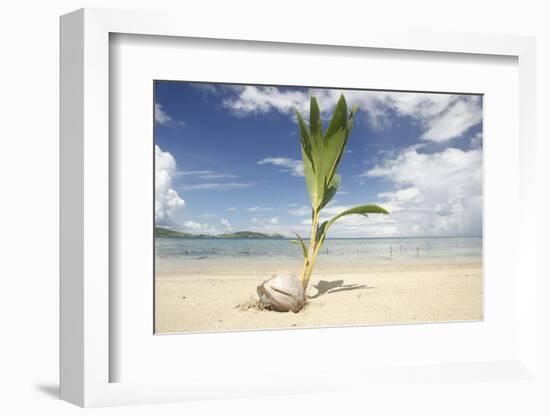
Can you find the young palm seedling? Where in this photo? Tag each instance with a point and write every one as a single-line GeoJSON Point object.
{"type": "Point", "coordinates": [321, 154]}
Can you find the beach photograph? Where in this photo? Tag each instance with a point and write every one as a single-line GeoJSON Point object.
{"type": "Point", "coordinates": [282, 207]}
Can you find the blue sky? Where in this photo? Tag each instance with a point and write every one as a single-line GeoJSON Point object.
{"type": "Point", "coordinates": [228, 159]}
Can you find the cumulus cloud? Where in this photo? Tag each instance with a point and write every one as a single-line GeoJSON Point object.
{"type": "Point", "coordinates": [435, 194]}
{"type": "Point", "coordinates": [225, 222]}
{"type": "Point", "coordinates": [258, 100]}
{"type": "Point", "coordinates": [454, 120]}
{"type": "Point", "coordinates": [274, 220]}
{"type": "Point", "coordinates": [438, 194]}
{"type": "Point", "coordinates": [293, 166]}
{"type": "Point", "coordinates": [394, 201]}
{"type": "Point", "coordinates": [197, 227]}
{"type": "Point", "coordinates": [167, 201]}
{"type": "Point", "coordinates": [441, 116]}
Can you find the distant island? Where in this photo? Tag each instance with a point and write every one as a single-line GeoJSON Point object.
{"type": "Point", "coordinates": [167, 233]}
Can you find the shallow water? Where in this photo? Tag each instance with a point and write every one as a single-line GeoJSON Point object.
{"type": "Point", "coordinates": [263, 256]}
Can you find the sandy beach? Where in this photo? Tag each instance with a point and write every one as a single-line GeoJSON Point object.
{"type": "Point", "coordinates": [382, 294]}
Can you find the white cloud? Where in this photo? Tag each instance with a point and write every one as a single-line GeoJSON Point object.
{"type": "Point", "coordinates": [208, 216]}
{"type": "Point", "coordinates": [351, 226]}
{"type": "Point", "coordinates": [193, 225]}
{"type": "Point", "coordinates": [233, 209]}
{"type": "Point", "coordinates": [194, 172]}
{"type": "Point", "coordinates": [206, 88]}
{"type": "Point", "coordinates": [264, 221]}
{"type": "Point", "coordinates": [217, 89]}
{"type": "Point", "coordinates": [258, 209]}
{"type": "Point", "coordinates": [335, 209]}
{"type": "Point", "coordinates": [263, 99]}
{"type": "Point", "coordinates": [198, 227]}
{"type": "Point", "coordinates": [167, 201]}
{"type": "Point", "coordinates": [436, 194]}
{"type": "Point", "coordinates": [207, 174]}
{"type": "Point", "coordinates": [300, 211]}
{"type": "Point", "coordinates": [418, 105]}
{"type": "Point", "coordinates": [224, 186]}
{"type": "Point", "coordinates": [163, 118]}
{"type": "Point", "coordinates": [160, 115]}
{"type": "Point", "coordinates": [442, 116]}
{"type": "Point", "coordinates": [476, 141]}
{"type": "Point", "coordinates": [395, 200]}
{"type": "Point", "coordinates": [225, 222]}
{"type": "Point", "coordinates": [295, 167]}
{"type": "Point", "coordinates": [455, 120]}
{"type": "Point", "coordinates": [375, 225]}
{"type": "Point", "coordinates": [218, 176]}
{"type": "Point", "coordinates": [283, 229]}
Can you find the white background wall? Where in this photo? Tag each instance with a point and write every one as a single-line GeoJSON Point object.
{"type": "Point", "coordinates": [29, 185]}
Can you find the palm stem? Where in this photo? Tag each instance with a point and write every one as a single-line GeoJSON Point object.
{"type": "Point", "coordinates": [312, 251]}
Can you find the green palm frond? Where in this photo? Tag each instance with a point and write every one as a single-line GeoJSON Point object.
{"type": "Point", "coordinates": [315, 125]}
{"type": "Point", "coordinates": [321, 154]}
{"type": "Point", "coordinates": [331, 190]}
{"type": "Point", "coordinates": [360, 210]}
{"type": "Point", "coordinates": [301, 243]}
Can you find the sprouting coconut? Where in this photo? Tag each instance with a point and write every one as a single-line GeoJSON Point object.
{"type": "Point", "coordinates": [321, 154]}
{"type": "Point", "coordinates": [282, 292]}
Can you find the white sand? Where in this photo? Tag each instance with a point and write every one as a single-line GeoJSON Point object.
{"type": "Point", "coordinates": [384, 294]}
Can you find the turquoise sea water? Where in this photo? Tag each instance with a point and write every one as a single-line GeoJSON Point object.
{"type": "Point", "coordinates": [257, 256]}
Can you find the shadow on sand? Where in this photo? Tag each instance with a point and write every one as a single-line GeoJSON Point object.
{"type": "Point", "coordinates": [325, 287]}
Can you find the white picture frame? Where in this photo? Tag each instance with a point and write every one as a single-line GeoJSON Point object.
{"type": "Point", "coordinates": [85, 163]}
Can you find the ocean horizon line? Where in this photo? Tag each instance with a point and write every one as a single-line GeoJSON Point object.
{"type": "Point", "coordinates": [216, 237]}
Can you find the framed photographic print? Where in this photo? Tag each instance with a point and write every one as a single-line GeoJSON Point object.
{"type": "Point", "coordinates": [216, 191]}
{"type": "Point", "coordinates": [246, 192]}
